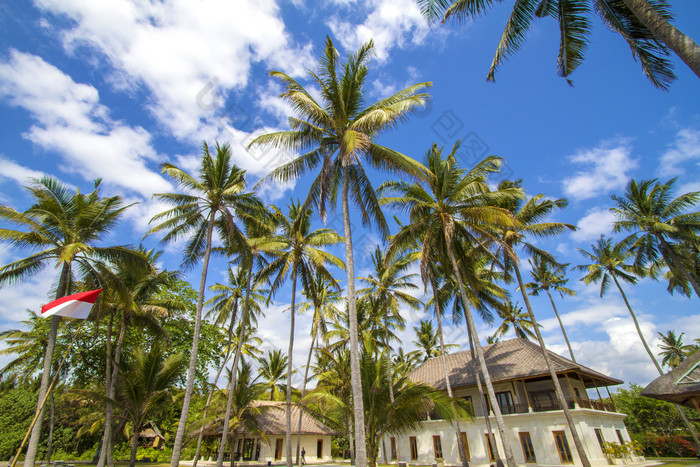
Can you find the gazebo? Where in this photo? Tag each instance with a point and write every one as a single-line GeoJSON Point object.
{"type": "Point", "coordinates": [680, 385]}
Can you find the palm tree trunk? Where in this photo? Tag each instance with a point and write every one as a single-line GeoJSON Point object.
{"type": "Point", "coordinates": [656, 363]}
{"type": "Point", "coordinates": [685, 47]}
{"type": "Point", "coordinates": [134, 447]}
{"type": "Point", "coordinates": [213, 388]}
{"type": "Point", "coordinates": [303, 385]}
{"type": "Point", "coordinates": [234, 366]}
{"type": "Point", "coordinates": [289, 371]}
{"type": "Point", "coordinates": [355, 376]}
{"type": "Point", "coordinates": [108, 406]}
{"type": "Point", "coordinates": [180, 435]}
{"type": "Point", "coordinates": [561, 325]}
{"type": "Point", "coordinates": [455, 423]}
{"type": "Point", "coordinates": [673, 256]}
{"type": "Point", "coordinates": [482, 398]}
{"type": "Point", "coordinates": [35, 437]}
{"type": "Point", "coordinates": [555, 379]}
{"type": "Point", "coordinates": [390, 371]}
{"type": "Point", "coordinates": [49, 443]}
{"type": "Point", "coordinates": [505, 441]}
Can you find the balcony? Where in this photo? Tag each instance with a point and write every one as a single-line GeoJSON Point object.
{"type": "Point", "coordinates": [546, 406]}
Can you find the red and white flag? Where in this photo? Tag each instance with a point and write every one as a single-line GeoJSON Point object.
{"type": "Point", "coordinates": [71, 306]}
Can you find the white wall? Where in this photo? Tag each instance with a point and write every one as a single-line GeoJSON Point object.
{"type": "Point", "coordinates": [267, 447]}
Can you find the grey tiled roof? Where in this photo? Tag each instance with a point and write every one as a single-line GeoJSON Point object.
{"type": "Point", "coordinates": [273, 420]}
{"type": "Point", "coordinates": [506, 361]}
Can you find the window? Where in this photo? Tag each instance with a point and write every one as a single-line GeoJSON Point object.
{"type": "Point", "coordinates": [505, 402]}
{"type": "Point", "coordinates": [492, 453]}
{"type": "Point", "coordinates": [466, 447]}
{"type": "Point", "coordinates": [562, 446]}
{"type": "Point", "coordinates": [278, 449]}
{"type": "Point", "coordinates": [528, 448]}
{"type": "Point", "coordinates": [601, 439]}
{"type": "Point", "coordinates": [248, 449]}
{"type": "Point", "coordinates": [393, 448]}
{"type": "Point", "coordinates": [437, 447]}
{"type": "Point", "coordinates": [468, 400]}
{"type": "Point", "coordinates": [619, 436]}
{"type": "Point", "coordinates": [414, 448]}
{"type": "Point", "coordinates": [578, 394]}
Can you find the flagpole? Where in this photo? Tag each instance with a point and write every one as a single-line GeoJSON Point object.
{"type": "Point", "coordinates": [46, 396]}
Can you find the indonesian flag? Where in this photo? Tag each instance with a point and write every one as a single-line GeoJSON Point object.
{"type": "Point", "coordinates": [71, 306]}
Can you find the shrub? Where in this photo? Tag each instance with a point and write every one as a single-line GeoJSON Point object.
{"type": "Point", "coordinates": [666, 446]}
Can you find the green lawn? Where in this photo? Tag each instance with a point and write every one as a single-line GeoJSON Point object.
{"type": "Point", "coordinates": [676, 461]}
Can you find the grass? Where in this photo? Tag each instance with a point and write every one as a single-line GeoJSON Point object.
{"type": "Point", "coordinates": [676, 461]}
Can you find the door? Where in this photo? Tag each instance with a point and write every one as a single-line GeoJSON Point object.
{"type": "Point", "coordinates": [562, 446]}
{"type": "Point", "coordinates": [319, 449]}
{"type": "Point", "coordinates": [248, 449]}
{"type": "Point", "coordinates": [278, 449]}
{"type": "Point", "coordinates": [528, 448]}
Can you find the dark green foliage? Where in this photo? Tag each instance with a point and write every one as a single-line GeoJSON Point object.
{"type": "Point", "coordinates": [16, 411]}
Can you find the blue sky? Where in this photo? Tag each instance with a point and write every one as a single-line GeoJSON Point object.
{"type": "Point", "coordinates": [112, 90]}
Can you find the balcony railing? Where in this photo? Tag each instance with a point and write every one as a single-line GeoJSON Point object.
{"type": "Point", "coordinates": [545, 406]}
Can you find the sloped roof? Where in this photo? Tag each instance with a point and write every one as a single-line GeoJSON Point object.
{"type": "Point", "coordinates": [273, 421]}
{"type": "Point", "coordinates": [506, 361]}
{"type": "Point", "coordinates": [679, 385]}
{"type": "Point", "coordinates": [150, 430]}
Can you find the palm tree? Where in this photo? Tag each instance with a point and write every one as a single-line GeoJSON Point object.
{"type": "Point", "coordinates": [299, 253]}
{"type": "Point", "coordinates": [225, 308]}
{"type": "Point", "coordinates": [452, 209]}
{"type": "Point", "coordinates": [272, 370]}
{"type": "Point", "coordinates": [338, 132]}
{"type": "Point", "coordinates": [546, 278]}
{"type": "Point", "coordinates": [426, 340]}
{"type": "Point", "coordinates": [609, 263]}
{"type": "Point", "coordinates": [144, 385]}
{"type": "Point", "coordinates": [529, 218]}
{"type": "Point", "coordinates": [63, 228]}
{"type": "Point", "coordinates": [657, 222]}
{"type": "Point", "coordinates": [213, 200]}
{"type": "Point", "coordinates": [673, 349]}
{"type": "Point", "coordinates": [26, 344]}
{"type": "Point", "coordinates": [514, 317]}
{"type": "Point", "coordinates": [140, 305]}
{"type": "Point", "coordinates": [644, 24]}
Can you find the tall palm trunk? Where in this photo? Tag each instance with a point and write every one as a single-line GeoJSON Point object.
{"type": "Point", "coordinates": [685, 47]}
{"type": "Point", "coordinates": [390, 376]}
{"type": "Point", "coordinates": [505, 441]}
{"type": "Point", "coordinates": [108, 406]}
{"type": "Point", "coordinates": [656, 363]}
{"type": "Point", "coordinates": [234, 368]}
{"type": "Point", "coordinates": [482, 399]}
{"type": "Point", "coordinates": [355, 376]}
{"type": "Point", "coordinates": [213, 388]}
{"type": "Point", "coordinates": [35, 437]}
{"type": "Point", "coordinates": [561, 325]}
{"type": "Point", "coordinates": [455, 423]}
{"type": "Point", "coordinates": [289, 370]}
{"type": "Point", "coordinates": [180, 435]}
{"type": "Point", "coordinates": [676, 260]}
{"type": "Point", "coordinates": [303, 390]}
{"type": "Point", "coordinates": [555, 379]}
{"type": "Point", "coordinates": [49, 443]}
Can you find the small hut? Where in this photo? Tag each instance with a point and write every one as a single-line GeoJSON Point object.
{"type": "Point", "coordinates": [151, 437]}
{"type": "Point", "coordinates": [680, 385]}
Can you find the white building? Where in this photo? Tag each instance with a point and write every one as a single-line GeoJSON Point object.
{"type": "Point", "coordinates": [535, 422]}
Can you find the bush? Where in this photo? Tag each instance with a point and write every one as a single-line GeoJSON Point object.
{"type": "Point", "coordinates": [666, 446]}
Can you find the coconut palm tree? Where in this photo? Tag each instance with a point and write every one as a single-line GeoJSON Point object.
{"type": "Point", "coordinates": [673, 350]}
{"type": "Point", "coordinates": [530, 218]}
{"type": "Point", "coordinates": [644, 24]}
{"type": "Point", "coordinates": [426, 340]}
{"type": "Point", "coordinates": [144, 385]}
{"type": "Point", "coordinates": [338, 132]}
{"type": "Point", "coordinates": [142, 306]}
{"type": "Point", "coordinates": [272, 371]}
{"type": "Point", "coordinates": [514, 318]}
{"type": "Point", "coordinates": [63, 229]}
{"type": "Point", "coordinates": [609, 263]}
{"type": "Point", "coordinates": [657, 222]}
{"type": "Point", "coordinates": [298, 253]}
{"type": "Point", "coordinates": [455, 206]}
{"type": "Point", "coordinates": [545, 277]}
{"type": "Point", "coordinates": [27, 345]}
{"type": "Point", "coordinates": [212, 200]}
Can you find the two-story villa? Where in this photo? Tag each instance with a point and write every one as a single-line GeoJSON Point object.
{"type": "Point", "coordinates": [524, 389]}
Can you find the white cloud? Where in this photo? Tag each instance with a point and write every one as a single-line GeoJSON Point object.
{"type": "Point", "coordinates": [390, 23]}
{"type": "Point", "coordinates": [606, 169]}
{"type": "Point", "coordinates": [597, 221]}
{"type": "Point", "coordinates": [72, 122]}
{"type": "Point", "coordinates": [20, 174]}
{"type": "Point", "coordinates": [190, 55]}
{"type": "Point", "coordinates": [686, 147]}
